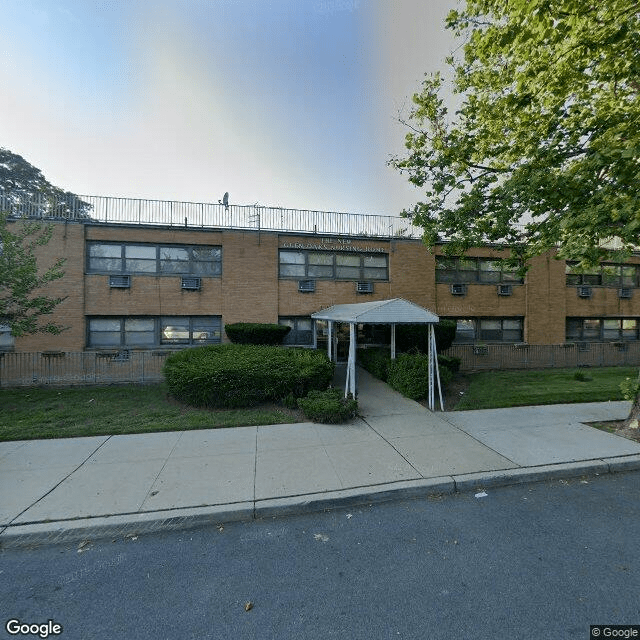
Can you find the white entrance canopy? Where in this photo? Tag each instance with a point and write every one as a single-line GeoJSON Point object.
{"type": "Point", "coordinates": [392, 312]}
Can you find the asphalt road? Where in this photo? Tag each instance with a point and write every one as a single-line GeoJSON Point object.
{"type": "Point", "coordinates": [531, 561]}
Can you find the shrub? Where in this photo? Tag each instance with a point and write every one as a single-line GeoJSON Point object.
{"type": "Point", "coordinates": [256, 333]}
{"type": "Point", "coordinates": [445, 332]}
{"type": "Point", "coordinates": [629, 388]}
{"type": "Point", "coordinates": [232, 375]}
{"type": "Point", "coordinates": [449, 362]}
{"type": "Point", "coordinates": [415, 337]}
{"type": "Point", "coordinates": [409, 374]}
{"type": "Point", "coordinates": [328, 406]}
{"type": "Point", "coordinates": [375, 361]}
{"type": "Point", "coordinates": [581, 376]}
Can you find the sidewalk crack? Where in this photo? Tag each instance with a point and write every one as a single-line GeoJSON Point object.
{"type": "Point", "coordinates": [42, 497]}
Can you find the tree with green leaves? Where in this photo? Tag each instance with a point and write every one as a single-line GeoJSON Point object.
{"type": "Point", "coordinates": [22, 298]}
{"type": "Point", "coordinates": [544, 149]}
{"type": "Point", "coordinates": [543, 152]}
{"type": "Point", "coordinates": [25, 192]}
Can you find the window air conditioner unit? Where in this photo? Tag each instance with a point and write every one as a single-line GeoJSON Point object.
{"type": "Point", "coordinates": [120, 282]}
{"type": "Point", "coordinates": [505, 289]}
{"type": "Point", "coordinates": [458, 289]}
{"type": "Point", "coordinates": [306, 286]}
{"type": "Point", "coordinates": [191, 284]}
{"type": "Point", "coordinates": [625, 293]}
{"type": "Point", "coordinates": [584, 292]}
{"type": "Point", "coordinates": [364, 287]}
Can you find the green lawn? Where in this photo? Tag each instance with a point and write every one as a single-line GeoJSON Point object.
{"type": "Point", "coordinates": [493, 389]}
{"type": "Point", "coordinates": [31, 413]}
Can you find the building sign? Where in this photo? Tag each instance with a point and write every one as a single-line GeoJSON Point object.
{"type": "Point", "coordinates": [334, 244]}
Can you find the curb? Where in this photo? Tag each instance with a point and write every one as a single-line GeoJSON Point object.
{"type": "Point", "coordinates": [134, 524]}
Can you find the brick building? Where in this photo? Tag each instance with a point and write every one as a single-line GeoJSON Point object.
{"type": "Point", "coordinates": [146, 281]}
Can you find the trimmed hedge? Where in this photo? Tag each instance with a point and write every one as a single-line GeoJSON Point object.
{"type": "Point", "coordinates": [256, 333]}
{"type": "Point", "coordinates": [415, 337]}
{"type": "Point", "coordinates": [375, 361]}
{"type": "Point", "coordinates": [450, 362]}
{"type": "Point", "coordinates": [328, 406]}
{"type": "Point", "coordinates": [233, 375]}
{"type": "Point", "coordinates": [409, 374]}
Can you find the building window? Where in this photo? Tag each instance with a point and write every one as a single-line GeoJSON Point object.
{"type": "Point", "coordinates": [474, 270]}
{"type": "Point", "coordinates": [301, 333]}
{"type": "Point", "coordinates": [325, 265]}
{"type": "Point", "coordinates": [601, 329]}
{"type": "Point", "coordinates": [469, 330]}
{"type": "Point", "coordinates": [607, 275]}
{"type": "Point", "coordinates": [148, 332]}
{"type": "Point", "coordinates": [7, 341]}
{"type": "Point", "coordinates": [154, 259]}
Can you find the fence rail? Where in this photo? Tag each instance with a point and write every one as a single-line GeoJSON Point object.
{"type": "Point", "coordinates": [112, 210]}
{"type": "Point", "coordinates": [144, 367]}
{"type": "Point", "coordinates": [80, 368]}
{"type": "Point", "coordinates": [515, 356]}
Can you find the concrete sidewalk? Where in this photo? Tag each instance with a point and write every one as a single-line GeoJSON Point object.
{"type": "Point", "coordinates": [71, 489]}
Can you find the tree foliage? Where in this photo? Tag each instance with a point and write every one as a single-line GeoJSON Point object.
{"type": "Point", "coordinates": [22, 284]}
{"type": "Point", "coordinates": [544, 150]}
{"type": "Point", "coordinates": [25, 192]}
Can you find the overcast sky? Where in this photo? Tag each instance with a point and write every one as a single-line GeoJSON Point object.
{"type": "Point", "coordinates": [282, 102]}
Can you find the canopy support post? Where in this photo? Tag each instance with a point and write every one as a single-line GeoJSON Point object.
{"type": "Point", "coordinates": [393, 341]}
{"type": "Point", "coordinates": [434, 356]}
{"type": "Point", "coordinates": [350, 383]}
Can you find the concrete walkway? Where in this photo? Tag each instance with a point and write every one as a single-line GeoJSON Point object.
{"type": "Point", "coordinates": [72, 489]}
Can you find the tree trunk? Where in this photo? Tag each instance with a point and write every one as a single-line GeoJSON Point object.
{"type": "Point", "coordinates": [634, 415]}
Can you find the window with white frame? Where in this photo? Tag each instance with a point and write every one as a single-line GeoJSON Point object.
{"type": "Point", "coordinates": [327, 265]}
{"type": "Point", "coordinates": [130, 258]}
{"type": "Point", "coordinates": [149, 332]}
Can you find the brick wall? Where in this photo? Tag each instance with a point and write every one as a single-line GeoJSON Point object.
{"type": "Point", "coordinates": [249, 289]}
{"type": "Point", "coordinates": [67, 242]}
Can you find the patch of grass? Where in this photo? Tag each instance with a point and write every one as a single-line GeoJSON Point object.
{"type": "Point", "coordinates": [494, 389]}
{"type": "Point", "coordinates": [27, 414]}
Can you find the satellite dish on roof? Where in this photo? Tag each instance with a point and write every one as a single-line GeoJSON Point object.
{"type": "Point", "coordinates": [225, 200]}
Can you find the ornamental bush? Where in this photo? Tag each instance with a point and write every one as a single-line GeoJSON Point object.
{"type": "Point", "coordinates": [450, 362]}
{"type": "Point", "coordinates": [234, 375]}
{"type": "Point", "coordinates": [415, 337]}
{"type": "Point", "coordinates": [375, 361]}
{"type": "Point", "coordinates": [409, 374]}
{"type": "Point", "coordinates": [329, 406]}
{"type": "Point", "coordinates": [256, 333]}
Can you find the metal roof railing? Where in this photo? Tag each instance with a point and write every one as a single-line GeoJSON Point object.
{"type": "Point", "coordinates": [138, 211]}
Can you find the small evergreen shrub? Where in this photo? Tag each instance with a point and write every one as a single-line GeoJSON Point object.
{"type": "Point", "coordinates": [329, 406]}
{"type": "Point", "coordinates": [234, 375]}
{"type": "Point", "coordinates": [375, 361]}
{"type": "Point", "coordinates": [409, 374]}
{"type": "Point", "coordinates": [415, 337]}
{"type": "Point", "coordinates": [256, 333]}
{"type": "Point", "coordinates": [445, 332]}
{"type": "Point", "coordinates": [450, 362]}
